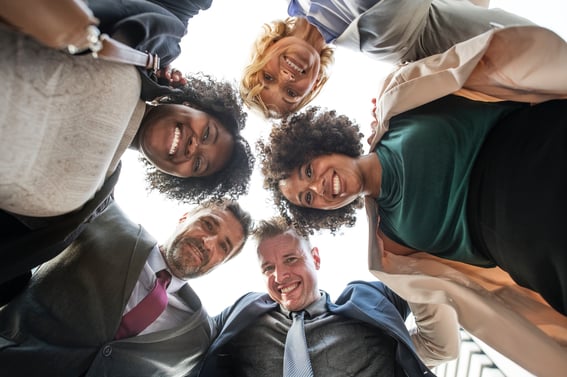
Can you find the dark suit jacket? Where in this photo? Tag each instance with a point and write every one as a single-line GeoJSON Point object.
{"type": "Point", "coordinates": [369, 302]}
{"type": "Point", "coordinates": [64, 323]}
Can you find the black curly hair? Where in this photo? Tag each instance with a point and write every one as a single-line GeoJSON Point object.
{"type": "Point", "coordinates": [297, 140]}
{"type": "Point", "coordinates": [221, 100]}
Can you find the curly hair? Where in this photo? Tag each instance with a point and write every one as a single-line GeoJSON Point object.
{"type": "Point", "coordinates": [297, 140]}
{"type": "Point", "coordinates": [219, 99]}
{"type": "Point", "coordinates": [252, 83]}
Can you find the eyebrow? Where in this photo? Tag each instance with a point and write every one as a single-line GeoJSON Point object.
{"type": "Point", "coordinates": [300, 175]}
{"type": "Point", "coordinates": [216, 136]}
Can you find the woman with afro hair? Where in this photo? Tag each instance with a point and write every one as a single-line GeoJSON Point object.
{"type": "Point", "coordinates": [441, 175]}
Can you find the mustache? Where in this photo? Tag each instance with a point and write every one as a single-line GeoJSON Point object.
{"type": "Point", "coordinates": [196, 243]}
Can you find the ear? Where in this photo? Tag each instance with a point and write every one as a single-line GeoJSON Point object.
{"type": "Point", "coordinates": [316, 258]}
{"type": "Point", "coordinates": [317, 84]}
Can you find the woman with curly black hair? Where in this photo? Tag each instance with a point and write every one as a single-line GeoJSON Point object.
{"type": "Point", "coordinates": [300, 138]}
{"type": "Point", "coordinates": [437, 175]}
{"type": "Point", "coordinates": [194, 173]}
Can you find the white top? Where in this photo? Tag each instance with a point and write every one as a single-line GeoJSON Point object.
{"type": "Point", "coordinates": [64, 123]}
{"type": "Point", "coordinates": [176, 311]}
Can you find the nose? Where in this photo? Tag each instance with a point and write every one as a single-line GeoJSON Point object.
{"type": "Point", "coordinates": [192, 146]}
{"type": "Point", "coordinates": [210, 243]}
{"type": "Point", "coordinates": [281, 274]}
{"type": "Point", "coordinates": [318, 186]}
{"type": "Point", "coordinates": [288, 75]}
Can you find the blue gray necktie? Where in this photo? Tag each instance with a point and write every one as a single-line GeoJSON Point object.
{"type": "Point", "coordinates": [296, 357]}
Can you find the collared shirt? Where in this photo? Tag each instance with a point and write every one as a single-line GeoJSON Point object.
{"type": "Point", "coordinates": [176, 311]}
{"type": "Point", "coordinates": [331, 17]}
{"type": "Point", "coordinates": [338, 346]}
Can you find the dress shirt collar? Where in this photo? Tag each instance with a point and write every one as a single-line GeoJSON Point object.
{"type": "Point", "coordinates": [316, 308]}
{"type": "Point", "coordinates": [157, 263]}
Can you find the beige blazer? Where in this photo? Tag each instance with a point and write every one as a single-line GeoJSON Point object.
{"type": "Point", "coordinates": [527, 64]}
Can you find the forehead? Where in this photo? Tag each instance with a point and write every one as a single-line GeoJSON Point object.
{"type": "Point", "coordinates": [282, 244]}
{"type": "Point", "coordinates": [223, 216]}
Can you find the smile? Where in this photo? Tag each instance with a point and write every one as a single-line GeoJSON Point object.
{"type": "Point", "coordinates": [294, 66]}
{"type": "Point", "coordinates": [175, 141]}
{"type": "Point", "coordinates": [336, 185]}
{"type": "Point", "coordinates": [289, 288]}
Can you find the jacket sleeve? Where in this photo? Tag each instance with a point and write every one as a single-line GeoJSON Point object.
{"type": "Point", "coordinates": [436, 334]}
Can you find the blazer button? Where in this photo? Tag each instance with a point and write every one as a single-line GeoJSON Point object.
{"type": "Point", "coordinates": [106, 351]}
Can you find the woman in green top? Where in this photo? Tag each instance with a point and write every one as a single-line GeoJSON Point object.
{"type": "Point", "coordinates": [438, 180]}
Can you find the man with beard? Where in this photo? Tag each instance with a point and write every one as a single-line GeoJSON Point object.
{"type": "Point", "coordinates": [79, 315]}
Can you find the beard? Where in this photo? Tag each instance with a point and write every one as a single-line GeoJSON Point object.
{"type": "Point", "coordinates": [187, 257]}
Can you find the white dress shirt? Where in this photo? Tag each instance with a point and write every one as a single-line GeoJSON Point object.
{"type": "Point", "coordinates": [176, 311]}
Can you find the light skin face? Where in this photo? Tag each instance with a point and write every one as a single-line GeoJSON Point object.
{"type": "Point", "coordinates": [202, 241]}
{"type": "Point", "coordinates": [326, 182]}
{"type": "Point", "coordinates": [290, 269]}
{"type": "Point", "coordinates": [290, 74]}
{"type": "Point", "coordinates": [184, 142]}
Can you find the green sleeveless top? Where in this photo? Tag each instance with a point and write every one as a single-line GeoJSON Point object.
{"type": "Point", "coordinates": [427, 156]}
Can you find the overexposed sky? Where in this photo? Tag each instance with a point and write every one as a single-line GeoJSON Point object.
{"type": "Point", "coordinates": [218, 42]}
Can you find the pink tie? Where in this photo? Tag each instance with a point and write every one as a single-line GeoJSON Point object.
{"type": "Point", "coordinates": [147, 310]}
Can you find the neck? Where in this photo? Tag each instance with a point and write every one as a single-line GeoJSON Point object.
{"type": "Point", "coordinates": [309, 33]}
{"type": "Point", "coordinates": [371, 170]}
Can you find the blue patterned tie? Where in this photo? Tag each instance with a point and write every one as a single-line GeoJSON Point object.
{"type": "Point", "coordinates": [296, 357]}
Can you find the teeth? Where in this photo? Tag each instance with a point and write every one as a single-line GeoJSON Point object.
{"type": "Point", "coordinates": [289, 289]}
{"type": "Point", "coordinates": [336, 184]}
{"type": "Point", "coordinates": [294, 66]}
{"type": "Point", "coordinates": [175, 142]}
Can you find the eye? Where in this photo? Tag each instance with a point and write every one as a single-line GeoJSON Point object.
{"type": "Point", "coordinates": [290, 259]}
{"type": "Point", "coordinates": [268, 270]}
{"type": "Point", "coordinates": [268, 77]}
{"type": "Point", "coordinates": [197, 164]}
{"type": "Point", "coordinates": [308, 198]}
{"type": "Point", "coordinates": [208, 225]}
{"type": "Point", "coordinates": [292, 93]}
{"type": "Point", "coordinates": [205, 134]}
{"type": "Point", "coordinates": [224, 248]}
{"type": "Point", "coordinates": [308, 171]}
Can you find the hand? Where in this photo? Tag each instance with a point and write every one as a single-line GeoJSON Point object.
{"type": "Point", "coordinates": [173, 77]}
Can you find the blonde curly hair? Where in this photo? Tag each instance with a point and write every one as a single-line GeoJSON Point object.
{"type": "Point", "coordinates": [252, 83]}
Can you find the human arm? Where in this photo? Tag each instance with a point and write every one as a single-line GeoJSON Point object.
{"type": "Point", "coordinates": [436, 332]}
{"type": "Point", "coordinates": [62, 23]}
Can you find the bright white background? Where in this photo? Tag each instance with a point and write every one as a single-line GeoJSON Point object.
{"type": "Point", "coordinates": [218, 42]}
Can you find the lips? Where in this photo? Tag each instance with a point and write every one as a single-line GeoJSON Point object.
{"type": "Point", "coordinates": [175, 141]}
{"type": "Point", "coordinates": [287, 289]}
{"type": "Point", "coordinates": [294, 66]}
{"type": "Point", "coordinates": [336, 184]}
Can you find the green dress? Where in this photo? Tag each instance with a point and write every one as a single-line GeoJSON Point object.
{"type": "Point", "coordinates": [427, 156]}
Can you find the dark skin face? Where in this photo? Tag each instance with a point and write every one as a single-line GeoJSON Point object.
{"type": "Point", "coordinates": [183, 141]}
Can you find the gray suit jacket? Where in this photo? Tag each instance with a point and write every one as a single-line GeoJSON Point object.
{"type": "Point", "coordinates": [64, 323]}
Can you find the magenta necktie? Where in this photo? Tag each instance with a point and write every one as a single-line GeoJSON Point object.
{"type": "Point", "coordinates": [147, 310]}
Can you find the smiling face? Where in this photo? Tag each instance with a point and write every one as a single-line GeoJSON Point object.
{"type": "Point", "coordinates": [326, 182]}
{"type": "Point", "coordinates": [290, 74]}
{"type": "Point", "coordinates": [202, 241]}
{"type": "Point", "coordinates": [289, 267]}
{"type": "Point", "coordinates": [184, 142]}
